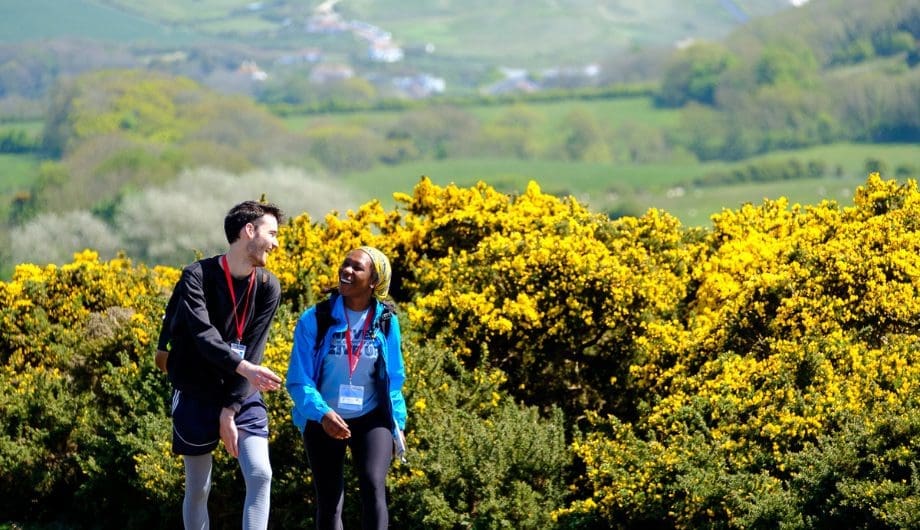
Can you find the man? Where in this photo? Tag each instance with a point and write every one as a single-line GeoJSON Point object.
{"type": "Point", "coordinates": [216, 327]}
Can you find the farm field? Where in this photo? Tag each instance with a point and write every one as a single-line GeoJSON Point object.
{"type": "Point", "coordinates": [547, 33]}
{"type": "Point", "coordinates": [32, 127]}
{"type": "Point", "coordinates": [605, 187]}
{"type": "Point", "coordinates": [49, 19]}
{"type": "Point", "coordinates": [538, 35]}
{"type": "Point", "coordinates": [548, 126]}
{"type": "Point", "coordinates": [16, 174]}
{"type": "Point", "coordinates": [612, 111]}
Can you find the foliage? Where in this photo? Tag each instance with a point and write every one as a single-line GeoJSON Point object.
{"type": "Point", "coordinates": [83, 397]}
{"type": "Point", "coordinates": [766, 171]}
{"type": "Point", "coordinates": [61, 235]}
{"type": "Point", "coordinates": [298, 91]}
{"type": "Point", "coordinates": [524, 284]}
{"type": "Point", "coordinates": [584, 138]}
{"type": "Point", "coordinates": [476, 459]}
{"type": "Point", "coordinates": [785, 83]}
{"type": "Point", "coordinates": [345, 148]}
{"type": "Point", "coordinates": [785, 65]}
{"type": "Point", "coordinates": [798, 327]}
{"type": "Point", "coordinates": [761, 373]}
{"type": "Point", "coordinates": [693, 75]}
{"type": "Point", "coordinates": [17, 141]}
{"type": "Point", "coordinates": [118, 130]}
{"type": "Point", "coordinates": [609, 92]}
{"type": "Point", "coordinates": [170, 225]}
{"type": "Point", "coordinates": [882, 112]}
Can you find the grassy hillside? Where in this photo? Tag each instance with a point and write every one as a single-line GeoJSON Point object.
{"type": "Point", "coordinates": [544, 32]}
{"type": "Point", "coordinates": [51, 19]}
{"type": "Point", "coordinates": [534, 34]}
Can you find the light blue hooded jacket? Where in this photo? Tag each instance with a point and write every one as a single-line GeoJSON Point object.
{"type": "Point", "coordinates": [303, 374]}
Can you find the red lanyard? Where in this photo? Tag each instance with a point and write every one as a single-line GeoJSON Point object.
{"type": "Point", "coordinates": [240, 322]}
{"type": "Point", "coordinates": [356, 353]}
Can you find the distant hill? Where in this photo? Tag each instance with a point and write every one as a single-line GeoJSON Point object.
{"type": "Point", "coordinates": [461, 41]}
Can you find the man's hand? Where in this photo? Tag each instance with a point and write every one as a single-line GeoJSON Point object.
{"type": "Point", "coordinates": [160, 359]}
{"type": "Point", "coordinates": [229, 433]}
{"type": "Point", "coordinates": [260, 377]}
{"type": "Point", "coordinates": [335, 426]}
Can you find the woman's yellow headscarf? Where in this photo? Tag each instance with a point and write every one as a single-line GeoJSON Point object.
{"type": "Point", "coordinates": [382, 268]}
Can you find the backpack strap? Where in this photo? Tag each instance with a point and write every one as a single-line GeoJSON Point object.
{"type": "Point", "coordinates": [323, 314]}
{"type": "Point", "coordinates": [384, 321]}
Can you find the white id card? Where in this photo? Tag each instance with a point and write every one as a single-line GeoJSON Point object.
{"type": "Point", "coordinates": [351, 397]}
{"type": "Point", "coordinates": [237, 348]}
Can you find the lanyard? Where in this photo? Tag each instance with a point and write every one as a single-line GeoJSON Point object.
{"type": "Point", "coordinates": [240, 322]}
{"type": "Point", "coordinates": [356, 353]}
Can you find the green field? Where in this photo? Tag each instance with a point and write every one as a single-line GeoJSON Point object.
{"type": "Point", "coordinates": [610, 113]}
{"type": "Point", "coordinates": [618, 187]}
{"type": "Point", "coordinates": [16, 175]}
{"type": "Point", "coordinates": [608, 186]}
{"type": "Point", "coordinates": [51, 19]}
{"type": "Point", "coordinates": [16, 171]}
{"type": "Point", "coordinates": [485, 33]}
{"type": "Point", "coordinates": [32, 127]}
{"type": "Point", "coordinates": [550, 33]}
{"type": "Point", "coordinates": [181, 11]}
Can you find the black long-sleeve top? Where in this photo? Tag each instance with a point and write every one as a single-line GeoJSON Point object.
{"type": "Point", "coordinates": [200, 326]}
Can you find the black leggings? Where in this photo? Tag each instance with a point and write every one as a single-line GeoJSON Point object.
{"type": "Point", "coordinates": [371, 445]}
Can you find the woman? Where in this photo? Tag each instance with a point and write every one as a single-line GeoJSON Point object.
{"type": "Point", "coordinates": [347, 388]}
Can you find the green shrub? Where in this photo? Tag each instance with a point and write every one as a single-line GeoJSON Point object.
{"type": "Point", "coordinates": [476, 459]}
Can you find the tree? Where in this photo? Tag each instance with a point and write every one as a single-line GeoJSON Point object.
{"type": "Point", "coordinates": [694, 74]}
{"type": "Point", "coordinates": [584, 139]}
{"type": "Point", "coordinates": [437, 131]}
{"type": "Point", "coordinates": [792, 64]}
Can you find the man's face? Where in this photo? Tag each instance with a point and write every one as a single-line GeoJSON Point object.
{"type": "Point", "coordinates": [263, 234]}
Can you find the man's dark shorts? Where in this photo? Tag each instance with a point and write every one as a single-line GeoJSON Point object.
{"type": "Point", "coordinates": [196, 422]}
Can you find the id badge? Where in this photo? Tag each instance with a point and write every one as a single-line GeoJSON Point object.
{"type": "Point", "coordinates": [239, 349]}
{"type": "Point", "coordinates": [351, 397]}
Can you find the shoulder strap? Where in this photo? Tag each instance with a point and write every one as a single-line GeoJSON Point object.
{"type": "Point", "coordinates": [384, 321]}
{"type": "Point", "coordinates": [323, 313]}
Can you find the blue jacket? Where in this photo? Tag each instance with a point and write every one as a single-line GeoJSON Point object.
{"type": "Point", "coordinates": [303, 374]}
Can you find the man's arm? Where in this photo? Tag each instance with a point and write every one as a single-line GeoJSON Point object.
{"type": "Point", "coordinates": [166, 327]}
{"type": "Point", "coordinates": [193, 310]}
{"type": "Point", "coordinates": [267, 300]}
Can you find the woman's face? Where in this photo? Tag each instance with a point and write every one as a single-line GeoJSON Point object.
{"type": "Point", "coordinates": [356, 275]}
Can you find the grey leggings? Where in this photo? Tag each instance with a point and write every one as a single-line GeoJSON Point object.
{"type": "Point", "coordinates": [257, 473]}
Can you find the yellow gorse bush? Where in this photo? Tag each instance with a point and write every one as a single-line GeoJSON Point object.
{"type": "Point", "coordinates": [710, 377]}
{"type": "Point", "coordinates": [801, 320]}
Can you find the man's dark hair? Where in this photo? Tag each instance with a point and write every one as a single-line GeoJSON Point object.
{"type": "Point", "coordinates": [247, 212]}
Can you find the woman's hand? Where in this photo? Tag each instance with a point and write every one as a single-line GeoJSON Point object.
{"type": "Point", "coordinates": [399, 446]}
{"type": "Point", "coordinates": [335, 426]}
